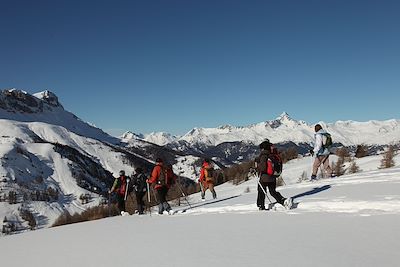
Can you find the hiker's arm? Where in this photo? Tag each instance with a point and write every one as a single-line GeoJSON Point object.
{"type": "Point", "coordinates": [155, 173]}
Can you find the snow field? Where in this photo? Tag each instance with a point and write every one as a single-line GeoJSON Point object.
{"type": "Point", "coordinates": [346, 221]}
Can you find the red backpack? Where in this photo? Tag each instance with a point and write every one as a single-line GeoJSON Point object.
{"type": "Point", "coordinates": [122, 185]}
{"type": "Point", "coordinates": [274, 165]}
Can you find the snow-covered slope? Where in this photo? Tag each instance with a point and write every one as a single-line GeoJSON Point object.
{"type": "Point", "coordinates": [37, 156]}
{"type": "Point", "coordinates": [347, 221]}
{"type": "Point", "coordinates": [50, 158]}
{"type": "Point", "coordinates": [18, 105]}
{"type": "Point", "coordinates": [44, 148]}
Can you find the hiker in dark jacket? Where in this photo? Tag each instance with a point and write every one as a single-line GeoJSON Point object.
{"type": "Point", "coordinates": [266, 178]}
{"type": "Point", "coordinates": [140, 188]}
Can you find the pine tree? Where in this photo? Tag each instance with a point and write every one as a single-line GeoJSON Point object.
{"type": "Point", "coordinates": [353, 168]}
{"type": "Point", "coordinates": [361, 151]}
{"type": "Point", "coordinates": [338, 167]}
{"type": "Point", "coordinates": [388, 158]}
{"type": "Point", "coordinates": [343, 153]}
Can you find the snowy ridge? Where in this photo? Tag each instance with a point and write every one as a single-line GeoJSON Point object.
{"type": "Point", "coordinates": [159, 138]}
{"type": "Point", "coordinates": [284, 129]}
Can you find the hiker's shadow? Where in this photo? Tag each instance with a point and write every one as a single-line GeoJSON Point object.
{"type": "Point", "coordinates": [313, 191]}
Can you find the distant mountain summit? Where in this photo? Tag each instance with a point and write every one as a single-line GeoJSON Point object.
{"type": "Point", "coordinates": [49, 97]}
{"type": "Point", "coordinates": [19, 105]}
{"type": "Point", "coordinates": [158, 138]}
{"type": "Point", "coordinates": [131, 136]}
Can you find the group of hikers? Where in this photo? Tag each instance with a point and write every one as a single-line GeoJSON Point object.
{"type": "Point", "coordinates": [162, 178]}
{"type": "Point", "coordinates": [268, 166]}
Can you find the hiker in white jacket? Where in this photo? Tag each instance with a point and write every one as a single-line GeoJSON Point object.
{"type": "Point", "coordinates": [321, 152]}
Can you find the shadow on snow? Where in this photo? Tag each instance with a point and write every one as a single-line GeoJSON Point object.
{"type": "Point", "coordinates": [208, 203]}
{"type": "Point", "coordinates": [313, 191]}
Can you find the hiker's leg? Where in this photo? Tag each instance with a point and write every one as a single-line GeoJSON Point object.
{"type": "Point", "coordinates": [272, 190]}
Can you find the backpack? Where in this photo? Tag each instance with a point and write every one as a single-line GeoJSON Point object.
{"type": "Point", "coordinates": [273, 165]}
{"type": "Point", "coordinates": [209, 174]}
{"type": "Point", "coordinates": [140, 183]}
{"type": "Point", "coordinates": [328, 142]}
{"type": "Point", "coordinates": [170, 175]}
{"type": "Point", "coordinates": [121, 185]}
{"type": "Point", "coordinates": [162, 178]}
{"type": "Point", "coordinates": [276, 165]}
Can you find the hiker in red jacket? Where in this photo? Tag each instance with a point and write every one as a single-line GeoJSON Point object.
{"type": "Point", "coordinates": [207, 179]}
{"type": "Point", "coordinates": [162, 177]}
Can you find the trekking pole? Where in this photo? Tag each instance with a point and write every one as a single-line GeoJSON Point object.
{"type": "Point", "coordinates": [109, 204]}
{"type": "Point", "coordinates": [283, 181]}
{"type": "Point", "coordinates": [148, 193]}
{"type": "Point", "coordinates": [126, 189]}
{"type": "Point", "coordinates": [184, 195]}
{"type": "Point", "coordinates": [312, 166]}
{"type": "Point", "coordinates": [148, 197]}
{"type": "Point", "coordinates": [259, 184]}
{"type": "Point", "coordinates": [321, 169]}
{"type": "Point", "coordinates": [201, 186]}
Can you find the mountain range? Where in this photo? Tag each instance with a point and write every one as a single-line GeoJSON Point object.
{"type": "Point", "coordinates": [50, 158]}
{"type": "Point", "coordinates": [234, 144]}
{"type": "Point", "coordinates": [284, 129]}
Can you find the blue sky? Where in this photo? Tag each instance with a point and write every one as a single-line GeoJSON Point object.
{"type": "Point", "coordinates": [173, 65]}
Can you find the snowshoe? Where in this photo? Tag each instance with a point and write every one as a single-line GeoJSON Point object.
{"type": "Point", "coordinates": [288, 203]}
{"type": "Point", "coordinates": [171, 212]}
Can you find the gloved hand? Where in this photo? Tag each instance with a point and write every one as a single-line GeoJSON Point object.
{"type": "Point", "coordinates": [312, 152]}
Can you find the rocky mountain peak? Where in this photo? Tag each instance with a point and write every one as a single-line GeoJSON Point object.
{"type": "Point", "coordinates": [49, 97]}
{"type": "Point", "coordinates": [18, 101]}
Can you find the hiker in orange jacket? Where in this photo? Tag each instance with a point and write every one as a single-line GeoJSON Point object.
{"type": "Point", "coordinates": [207, 179]}
{"type": "Point", "coordinates": [162, 179]}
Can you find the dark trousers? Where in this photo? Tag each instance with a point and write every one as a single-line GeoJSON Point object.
{"type": "Point", "coordinates": [121, 202]}
{"type": "Point", "coordinates": [140, 201]}
{"type": "Point", "coordinates": [208, 185]}
{"type": "Point", "coordinates": [272, 190]}
{"type": "Point", "coordinates": [162, 199]}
